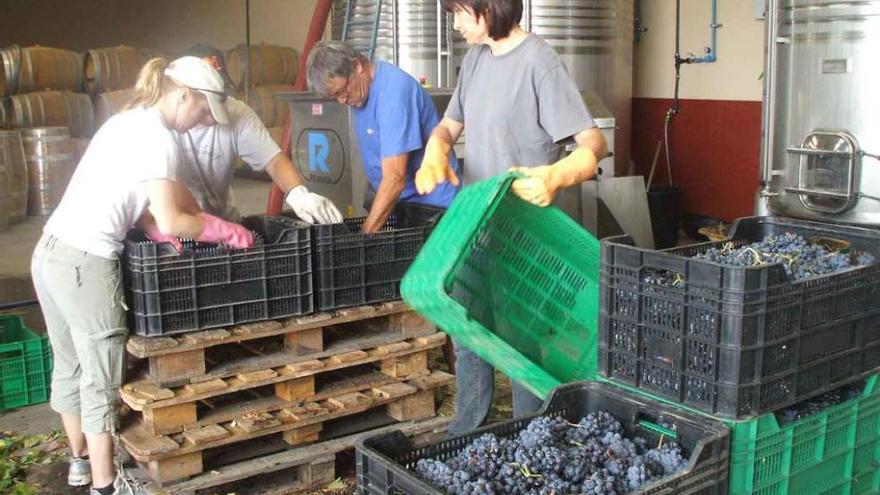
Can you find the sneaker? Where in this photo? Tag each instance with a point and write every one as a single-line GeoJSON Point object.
{"type": "Point", "coordinates": [121, 486]}
{"type": "Point", "coordinates": [80, 472]}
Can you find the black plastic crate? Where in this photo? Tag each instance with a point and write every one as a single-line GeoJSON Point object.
{"type": "Point", "coordinates": [386, 463]}
{"type": "Point", "coordinates": [738, 341]}
{"type": "Point", "coordinates": [208, 286]}
{"type": "Point", "coordinates": [353, 268]}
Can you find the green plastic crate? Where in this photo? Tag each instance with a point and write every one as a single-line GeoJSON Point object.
{"type": "Point", "coordinates": [833, 452]}
{"type": "Point", "coordinates": [515, 283]}
{"type": "Point", "coordinates": [836, 451]}
{"type": "Point", "coordinates": [25, 365]}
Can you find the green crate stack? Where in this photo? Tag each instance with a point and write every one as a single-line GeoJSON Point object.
{"type": "Point", "coordinates": [25, 365]}
{"type": "Point", "coordinates": [521, 287]}
{"type": "Point", "coordinates": [835, 451]}
{"type": "Point", "coordinates": [832, 452]}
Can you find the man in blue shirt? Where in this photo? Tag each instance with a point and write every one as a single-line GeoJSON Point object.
{"type": "Point", "coordinates": [394, 117]}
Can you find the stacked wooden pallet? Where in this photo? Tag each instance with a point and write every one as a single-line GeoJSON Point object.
{"type": "Point", "coordinates": [220, 400]}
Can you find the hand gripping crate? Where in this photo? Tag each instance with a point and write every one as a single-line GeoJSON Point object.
{"type": "Point", "coordinates": [386, 463]}
{"type": "Point", "coordinates": [515, 283]}
{"type": "Point", "coordinates": [738, 341]}
{"type": "Point", "coordinates": [207, 285]}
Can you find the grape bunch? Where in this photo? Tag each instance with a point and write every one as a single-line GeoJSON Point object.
{"type": "Point", "coordinates": [800, 258]}
{"type": "Point", "coordinates": [554, 457]}
{"type": "Point", "coordinates": [818, 404]}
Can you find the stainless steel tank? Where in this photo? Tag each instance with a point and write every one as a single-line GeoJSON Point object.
{"type": "Point", "coordinates": [407, 37]}
{"type": "Point", "coordinates": [821, 141]}
{"type": "Point", "coordinates": [594, 39]}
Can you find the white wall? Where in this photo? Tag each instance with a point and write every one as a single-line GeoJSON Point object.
{"type": "Point", "coordinates": [736, 73]}
{"type": "Point", "coordinates": [282, 22]}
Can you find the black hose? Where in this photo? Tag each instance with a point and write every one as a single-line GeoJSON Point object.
{"type": "Point", "coordinates": [18, 304]}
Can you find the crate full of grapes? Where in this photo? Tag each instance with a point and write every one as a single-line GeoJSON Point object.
{"type": "Point", "coordinates": [783, 311]}
{"type": "Point", "coordinates": [590, 437]}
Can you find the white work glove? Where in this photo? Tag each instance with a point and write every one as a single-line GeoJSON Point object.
{"type": "Point", "coordinates": [311, 207]}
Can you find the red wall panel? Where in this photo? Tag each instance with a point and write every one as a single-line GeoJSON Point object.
{"type": "Point", "coordinates": [715, 148]}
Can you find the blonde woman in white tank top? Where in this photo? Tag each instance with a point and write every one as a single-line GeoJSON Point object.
{"type": "Point", "coordinates": [130, 167]}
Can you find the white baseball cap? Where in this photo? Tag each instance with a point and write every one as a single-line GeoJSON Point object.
{"type": "Point", "coordinates": [198, 75]}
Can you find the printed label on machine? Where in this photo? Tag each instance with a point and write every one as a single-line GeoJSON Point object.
{"type": "Point", "coordinates": [320, 156]}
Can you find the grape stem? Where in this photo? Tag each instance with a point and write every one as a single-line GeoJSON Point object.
{"type": "Point", "coordinates": [525, 471]}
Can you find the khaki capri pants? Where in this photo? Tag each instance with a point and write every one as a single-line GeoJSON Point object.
{"type": "Point", "coordinates": [82, 301]}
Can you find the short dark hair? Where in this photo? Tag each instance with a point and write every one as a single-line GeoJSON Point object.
{"type": "Point", "coordinates": [207, 51]}
{"type": "Point", "coordinates": [203, 51]}
{"type": "Point", "coordinates": [501, 15]}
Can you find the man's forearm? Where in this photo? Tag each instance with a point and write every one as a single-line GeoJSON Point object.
{"type": "Point", "coordinates": [441, 133]}
{"type": "Point", "coordinates": [284, 173]}
{"type": "Point", "coordinates": [386, 198]}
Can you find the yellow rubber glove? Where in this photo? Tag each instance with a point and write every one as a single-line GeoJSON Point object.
{"type": "Point", "coordinates": [435, 168]}
{"type": "Point", "coordinates": [540, 184]}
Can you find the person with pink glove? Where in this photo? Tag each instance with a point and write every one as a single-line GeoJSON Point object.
{"type": "Point", "coordinates": [130, 167]}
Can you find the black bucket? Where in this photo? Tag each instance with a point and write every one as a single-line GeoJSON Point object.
{"type": "Point", "coordinates": [664, 203]}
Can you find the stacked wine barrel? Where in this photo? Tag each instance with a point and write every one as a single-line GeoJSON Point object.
{"type": "Point", "coordinates": [272, 69]}
{"type": "Point", "coordinates": [109, 103]}
{"type": "Point", "coordinates": [53, 100]}
{"type": "Point", "coordinates": [43, 87]}
{"type": "Point", "coordinates": [270, 64]}
{"type": "Point", "coordinates": [44, 106]}
{"type": "Point", "coordinates": [114, 68]}
{"type": "Point", "coordinates": [110, 75]}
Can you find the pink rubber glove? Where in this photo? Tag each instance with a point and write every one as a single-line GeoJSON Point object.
{"type": "Point", "coordinates": [155, 235]}
{"type": "Point", "coordinates": [219, 230]}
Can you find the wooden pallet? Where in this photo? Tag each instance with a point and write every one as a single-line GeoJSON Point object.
{"type": "Point", "coordinates": [171, 457]}
{"type": "Point", "coordinates": [172, 410]}
{"type": "Point", "coordinates": [221, 353]}
{"type": "Point", "coordinates": [293, 470]}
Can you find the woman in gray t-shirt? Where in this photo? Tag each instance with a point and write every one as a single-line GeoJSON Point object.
{"type": "Point", "coordinates": [518, 102]}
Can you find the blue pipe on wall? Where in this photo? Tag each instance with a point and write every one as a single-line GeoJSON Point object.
{"type": "Point", "coordinates": [711, 52]}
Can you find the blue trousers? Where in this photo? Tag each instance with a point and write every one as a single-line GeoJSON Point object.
{"type": "Point", "coordinates": [474, 386]}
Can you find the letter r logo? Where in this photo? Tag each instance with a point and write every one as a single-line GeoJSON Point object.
{"type": "Point", "coordinates": [319, 150]}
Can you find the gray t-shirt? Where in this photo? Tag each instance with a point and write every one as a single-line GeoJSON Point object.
{"type": "Point", "coordinates": [515, 108]}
